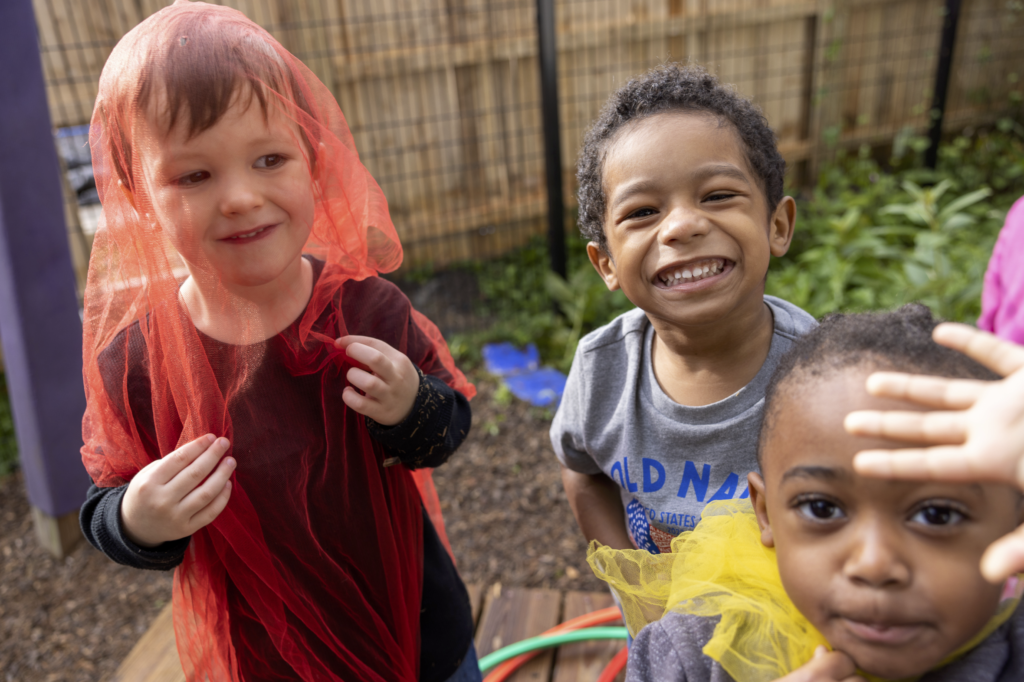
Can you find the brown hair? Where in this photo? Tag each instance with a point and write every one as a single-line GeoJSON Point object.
{"type": "Point", "coordinates": [202, 70]}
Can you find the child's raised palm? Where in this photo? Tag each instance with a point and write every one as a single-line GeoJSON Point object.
{"type": "Point", "coordinates": [388, 380]}
{"type": "Point", "coordinates": [177, 495]}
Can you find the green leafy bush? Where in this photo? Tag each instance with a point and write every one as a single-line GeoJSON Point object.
{"type": "Point", "coordinates": [870, 238]}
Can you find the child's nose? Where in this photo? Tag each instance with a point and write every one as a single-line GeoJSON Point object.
{"type": "Point", "coordinates": [239, 196]}
{"type": "Point", "coordinates": [874, 558]}
{"type": "Point", "coordinates": [683, 224]}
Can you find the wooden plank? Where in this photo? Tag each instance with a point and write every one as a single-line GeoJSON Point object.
{"type": "Point", "coordinates": [513, 614]}
{"type": "Point", "coordinates": [476, 594]}
{"type": "Point", "coordinates": [583, 662]}
{"type": "Point", "coordinates": [155, 657]}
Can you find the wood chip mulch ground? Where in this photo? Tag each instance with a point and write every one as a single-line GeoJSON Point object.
{"type": "Point", "coordinates": [506, 513]}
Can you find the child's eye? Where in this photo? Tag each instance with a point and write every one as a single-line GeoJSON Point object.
{"type": "Point", "coordinates": [720, 196]}
{"type": "Point", "coordinates": [937, 515]}
{"type": "Point", "coordinates": [192, 179]}
{"type": "Point", "coordinates": [820, 510]}
{"type": "Point", "coordinates": [269, 161]}
{"type": "Point", "coordinates": [640, 213]}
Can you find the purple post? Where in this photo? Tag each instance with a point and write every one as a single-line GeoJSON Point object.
{"type": "Point", "coordinates": [39, 323]}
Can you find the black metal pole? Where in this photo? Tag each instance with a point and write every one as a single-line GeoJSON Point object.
{"type": "Point", "coordinates": [552, 136]}
{"type": "Point", "coordinates": [938, 110]}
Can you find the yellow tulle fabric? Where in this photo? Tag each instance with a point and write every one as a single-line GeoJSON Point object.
{"type": "Point", "coordinates": [721, 569]}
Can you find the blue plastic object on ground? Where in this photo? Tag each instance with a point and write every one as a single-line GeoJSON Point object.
{"type": "Point", "coordinates": [505, 359]}
{"type": "Point", "coordinates": [521, 371]}
{"type": "Point", "coordinates": [542, 388]}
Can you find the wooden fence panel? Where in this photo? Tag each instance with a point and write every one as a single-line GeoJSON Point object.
{"type": "Point", "coordinates": [443, 95]}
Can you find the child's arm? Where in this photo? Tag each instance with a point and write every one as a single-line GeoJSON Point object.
{"type": "Point", "coordinates": [597, 506]}
{"type": "Point", "coordinates": [977, 434]}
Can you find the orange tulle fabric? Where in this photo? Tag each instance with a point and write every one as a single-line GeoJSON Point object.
{"type": "Point", "coordinates": [314, 569]}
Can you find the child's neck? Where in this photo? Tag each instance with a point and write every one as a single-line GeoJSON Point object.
{"type": "Point", "coordinates": [698, 366]}
{"type": "Point", "coordinates": [243, 315]}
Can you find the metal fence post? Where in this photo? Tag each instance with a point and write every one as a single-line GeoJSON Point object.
{"type": "Point", "coordinates": [552, 134]}
{"type": "Point", "coordinates": [39, 323]}
{"type": "Point", "coordinates": [942, 71]}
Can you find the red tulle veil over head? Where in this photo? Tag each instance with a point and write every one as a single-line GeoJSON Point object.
{"type": "Point", "coordinates": [313, 571]}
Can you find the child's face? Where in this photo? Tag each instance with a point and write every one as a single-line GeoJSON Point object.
{"type": "Point", "coordinates": [887, 571]}
{"type": "Point", "coordinates": [237, 198]}
{"type": "Point", "coordinates": [687, 224]}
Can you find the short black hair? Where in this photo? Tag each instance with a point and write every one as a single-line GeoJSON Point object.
{"type": "Point", "coordinates": [668, 88]}
{"type": "Point", "coordinates": [900, 340]}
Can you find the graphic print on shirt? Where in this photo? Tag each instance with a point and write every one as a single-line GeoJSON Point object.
{"type": "Point", "coordinates": [653, 528]}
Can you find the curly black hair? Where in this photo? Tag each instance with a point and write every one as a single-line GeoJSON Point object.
{"type": "Point", "coordinates": [900, 340]}
{"type": "Point", "coordinates": [672, 87]}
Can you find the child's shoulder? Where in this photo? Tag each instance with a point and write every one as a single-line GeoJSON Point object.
{"type": "Point", "coordinates": [791, 321]}
{"type": "Point", "coordinates": [624, 331]}
{"type": "Point", "coordinates": [671, 649]}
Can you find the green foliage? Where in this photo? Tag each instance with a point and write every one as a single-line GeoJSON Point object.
{"type": "Point", "coordinates": [870, 235]}
{"type": "Point", "coordinates": [8, 443]}
{"type": "Point", "coordinates": [870, 238]}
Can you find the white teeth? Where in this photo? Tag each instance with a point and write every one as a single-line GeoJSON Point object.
{"type": "Point", "coordinates": [246, 236]}
{"type": "Point", "coordinates": [693, 273]}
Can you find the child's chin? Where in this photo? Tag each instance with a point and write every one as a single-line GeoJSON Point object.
{"type": "Point", "coordinates": [893, 665]}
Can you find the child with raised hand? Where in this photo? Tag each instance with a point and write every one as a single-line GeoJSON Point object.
{"type": "Point", "coordinates": [827, 574]}
{"type": "Point", "coordinates": [257, 396]}
{"type": "Point", "coordinates": [977, 434]}
{"type": "Point", "coordinates": [681, 195]}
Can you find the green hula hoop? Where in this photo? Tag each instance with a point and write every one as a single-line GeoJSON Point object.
{"type": "Point", "coordinates": [547, 642]}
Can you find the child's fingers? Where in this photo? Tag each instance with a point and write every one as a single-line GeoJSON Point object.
{"type": "Point", "coordinates": [360, 403]}
{"type": "Point", "coordinates": [935, 392]}
{"type": "Point", "coordinates": [1002, 357]}
{"type": "Point", "coordinates": [825, 665]}
{"type": "Point", "coordinates": [370, 384]}
{"type": "Point", "coordinates": [1004, 557]}
{"type": "Point", "coordinates": [171, 465]}
{"type": "Point", "coordinates": [195, 473]}
{"type": "Point", "coordinates": [939, 463]}
{"type": "Point", "coordinates": [207, 514]}
{"type": "Point", "coordinates": [214, 484]}
{"type": "Point", "coordinates": [931, 428]}
{"type": "Point", "coordinates": [375, 355]}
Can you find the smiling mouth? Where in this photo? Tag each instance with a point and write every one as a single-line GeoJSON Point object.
{"type": "Point", "coordinates": [248, 235]}
{"type": "Point", "coordinates": [691, 272]}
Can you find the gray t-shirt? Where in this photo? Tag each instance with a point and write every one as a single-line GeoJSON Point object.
{"type": "Point", "coordinates": [671, 650]}
{"type": "Point", "coordinates": [668, 459]}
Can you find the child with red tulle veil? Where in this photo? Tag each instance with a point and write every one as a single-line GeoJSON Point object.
{"type": "Point", "coordinates": [263, 409]}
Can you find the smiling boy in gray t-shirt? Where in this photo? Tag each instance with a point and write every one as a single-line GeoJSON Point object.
{"type": "Point", "coordinates": [681, 195]}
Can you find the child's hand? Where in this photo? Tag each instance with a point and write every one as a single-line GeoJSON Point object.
{"type": "Point", "coordinates": [174, 497]}
{"type": "Point", "coordinates": [826, 666]}
{"type": "Point", "coordinates": [978, 435]}
{"type": "Point", "coordinates": [389, 387]}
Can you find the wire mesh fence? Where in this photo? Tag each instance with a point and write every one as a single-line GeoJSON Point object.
{"type": "Point", "coordinates": [444, 102]}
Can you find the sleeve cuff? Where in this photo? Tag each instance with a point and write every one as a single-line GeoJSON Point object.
{"type": "Point", "coordinates": [416, 438]}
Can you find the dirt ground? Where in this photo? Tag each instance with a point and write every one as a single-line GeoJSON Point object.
{"type": "Point", "coordinates": [506, 513]}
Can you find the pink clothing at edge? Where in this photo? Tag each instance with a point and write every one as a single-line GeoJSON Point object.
{"type": "Point", "coordinates": [1002, 299]}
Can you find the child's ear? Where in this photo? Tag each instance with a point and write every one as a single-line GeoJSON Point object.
{"type": "Point", "coordinates": [604, 265]}
{"type": "Point", "coordinates": [756, 485]}
{"type": "Point", "coordinates": [780, 231]}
